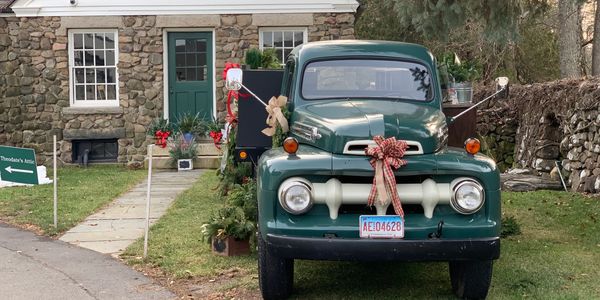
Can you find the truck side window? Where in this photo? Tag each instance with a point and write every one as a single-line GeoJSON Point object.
{"type": "Point", "coordinates": [288, 73]}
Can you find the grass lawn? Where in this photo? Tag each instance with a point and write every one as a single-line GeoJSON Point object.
{"type": "Point", "coordinates": [555, 257]}
{"type": "Point", "coordinates": [81, 192]}
{"type": "Point", "coordinates": [176, 243]}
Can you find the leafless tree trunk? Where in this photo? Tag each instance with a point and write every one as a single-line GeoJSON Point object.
{"type": "Point", "coordinates": [596, 44]}
{"type": "Point", "coordinates": [569, 38]}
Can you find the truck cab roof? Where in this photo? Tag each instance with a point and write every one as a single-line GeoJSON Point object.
{"type": "Point", "coordinates": [355, 48]}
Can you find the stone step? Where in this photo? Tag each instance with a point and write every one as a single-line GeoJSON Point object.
{"type": "Point", "coordinates": [201, 162]}
{"type": "Point", "coordinates": [203, 149]}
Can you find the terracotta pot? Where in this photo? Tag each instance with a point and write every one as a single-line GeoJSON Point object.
{"type": "Point", "coordinates": [230, 246]}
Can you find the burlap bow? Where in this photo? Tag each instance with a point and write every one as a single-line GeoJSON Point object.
{"type": "Point", "coordinates": [385, 156]}
{"type": "Point", "coordinates": [276, 116]}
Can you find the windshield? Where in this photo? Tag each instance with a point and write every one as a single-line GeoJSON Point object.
{"type": "Point", "coordinates": [366, 78]}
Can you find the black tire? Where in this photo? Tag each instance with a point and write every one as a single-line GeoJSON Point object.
{"type": "Point", "coordinates": [275, 274]}
{"type": "Point", "coordinates": [471, 279]}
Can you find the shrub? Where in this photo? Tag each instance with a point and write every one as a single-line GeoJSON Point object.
{"type": "Point", "coordinates": [244, 197]}
{"type": "Point", "coordinates": [270, 60]}
{"type": "Point", "coordinates": [228, 221]}
{"type": "Point", "coordinates": [159, 124]}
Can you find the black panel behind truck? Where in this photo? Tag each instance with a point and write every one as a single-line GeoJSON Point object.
{"type": "Point", "coordinates": [252, 114]}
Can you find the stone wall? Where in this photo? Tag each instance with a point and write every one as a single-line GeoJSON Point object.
{"type": "Point", "coordinates": [581, 141]}
{"type": "Point", "coordinates": [547, 122]}
{"type": "Point", "coordinates": [34, 74]}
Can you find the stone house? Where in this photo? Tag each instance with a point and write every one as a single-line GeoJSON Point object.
{"type": "Point", "coordinates": [96, 73]}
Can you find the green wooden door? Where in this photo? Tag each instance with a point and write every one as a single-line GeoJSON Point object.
{"type": "Point", "coordinates": [190, 74]}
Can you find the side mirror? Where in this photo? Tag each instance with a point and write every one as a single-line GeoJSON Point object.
{"type": "Point", "coordinates": [502, 87]}
{"type": "Point", "coordinates": [234, 78]}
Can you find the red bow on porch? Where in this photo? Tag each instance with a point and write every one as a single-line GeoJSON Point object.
{"type": "Point", "coordinates": [386, 155]}
{"type": "Point", "coordinates": [161, 138]}
{"type": "Point", "coordinates": [216, 136]}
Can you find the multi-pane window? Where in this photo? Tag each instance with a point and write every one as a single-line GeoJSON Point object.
{"type": "Point", "coordinates": [283, 40]}
{"type": "Point", "coordinates": [93, 59]}
{"type": "Point", "coordinates": [190, 59]}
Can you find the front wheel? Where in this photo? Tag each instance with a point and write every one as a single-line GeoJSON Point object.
{"type": "Point", "coordinates": [275, 274]}
{"type": "Point", "coordinates": [471, 279]}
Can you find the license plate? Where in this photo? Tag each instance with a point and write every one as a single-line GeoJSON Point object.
{"type": "Point", "coordinates": [381, 227]}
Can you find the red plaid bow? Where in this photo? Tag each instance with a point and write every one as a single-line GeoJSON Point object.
{"type": "Point", "coordinates": [162, 138]}
{"type": "Point", "coordinates": [384, 156]}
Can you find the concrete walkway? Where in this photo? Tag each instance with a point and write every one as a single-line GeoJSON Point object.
{"type": "Point", "coordinates": [114, 228]}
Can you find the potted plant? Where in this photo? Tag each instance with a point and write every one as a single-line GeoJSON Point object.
{"type": "Point", "coordinates": [191, 125]}
{"type": "Point", "coordinates": [253, 58]}
{"type": "Point", "coordinates": [229, 231]}
{"type": "Point", "coordinates": [269, 59]}
{"type": "Point", "coordinates": [182, 151]}
{"type": "Point", "coordinates": [160, 129]}
{"type": "Point", "coordinates": [266, 59]}
{"type": "Point", "coordinates": [460, 77]}
{"type": "Point", "coordinates": [215, 131]}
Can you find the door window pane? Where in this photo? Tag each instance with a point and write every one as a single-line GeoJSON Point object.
{"type": "Point", "coordinates": [179, 46]}
{"type": "Point", "coordinates": [191, 74]}
{"type": "Point", "coordinates": [201, 45]}
{"type": "Point", "coordinates": [190, 55]}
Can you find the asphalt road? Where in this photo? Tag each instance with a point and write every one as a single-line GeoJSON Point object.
{"type": "Point", "coordinates": [34, 267]}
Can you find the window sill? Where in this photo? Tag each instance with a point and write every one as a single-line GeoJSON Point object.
{"type": "Point", "coordinates": [92, 110]}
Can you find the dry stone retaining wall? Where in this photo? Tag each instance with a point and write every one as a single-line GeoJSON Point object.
{"type": "Point", "coordinates": [549, 122]}
{"type": "Point", "coordinates": [34, 74]}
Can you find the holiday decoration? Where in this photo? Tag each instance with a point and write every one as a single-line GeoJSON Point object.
{"type": "Point", "coordinates": [386, 155]}
{"type": "Point", "coordinates": [276, 117]}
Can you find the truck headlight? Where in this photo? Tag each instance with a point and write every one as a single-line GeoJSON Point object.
{"type": "Point", "coordinates": [467, 196]}
{"type": "Point", "coordinates": [295, 195]}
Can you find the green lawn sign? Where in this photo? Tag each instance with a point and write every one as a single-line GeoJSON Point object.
{"type": "Point", "coordinates": [18, 165]}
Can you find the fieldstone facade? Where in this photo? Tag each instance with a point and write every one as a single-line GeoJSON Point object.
{"type": "Point", "coordinates": [34, 74]}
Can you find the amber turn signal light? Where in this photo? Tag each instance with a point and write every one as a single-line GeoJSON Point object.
{"type": "Point", "coordinates": [243, 155]}
{"type": "Point", "coordinates": [290, 145]}
{"type": "Point", "coordinates": [472, 146]}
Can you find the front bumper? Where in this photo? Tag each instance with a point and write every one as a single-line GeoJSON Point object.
{"type": "Point", "coordinates": [383, 249]}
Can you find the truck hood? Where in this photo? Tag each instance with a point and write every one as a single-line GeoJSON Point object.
{"type": "Point", "coordinates": [341, 121]}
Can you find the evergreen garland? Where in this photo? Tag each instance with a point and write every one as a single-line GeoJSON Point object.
{"type": "Point", "coordinates": [279, 135]}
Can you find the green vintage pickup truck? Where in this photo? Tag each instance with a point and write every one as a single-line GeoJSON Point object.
{"type": "Point", "coordinates": [313, 192]}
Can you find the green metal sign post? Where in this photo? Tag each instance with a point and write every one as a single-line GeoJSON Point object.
{"type": "Point", "coordinates": [18, 165]}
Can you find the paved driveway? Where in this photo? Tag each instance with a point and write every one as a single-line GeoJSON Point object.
{"type": "Point", "coordinates": [34, 267]}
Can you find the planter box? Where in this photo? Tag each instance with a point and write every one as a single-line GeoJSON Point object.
{"type": "Point", "coordinates": [184, 164]}
{"type": "Point", "coordinates": [230, 246]}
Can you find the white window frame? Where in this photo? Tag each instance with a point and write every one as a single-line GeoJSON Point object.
{"type": "Point", "coordinates": [71, 54]}
{"type": "Point", "coordinates": [281, 29]}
